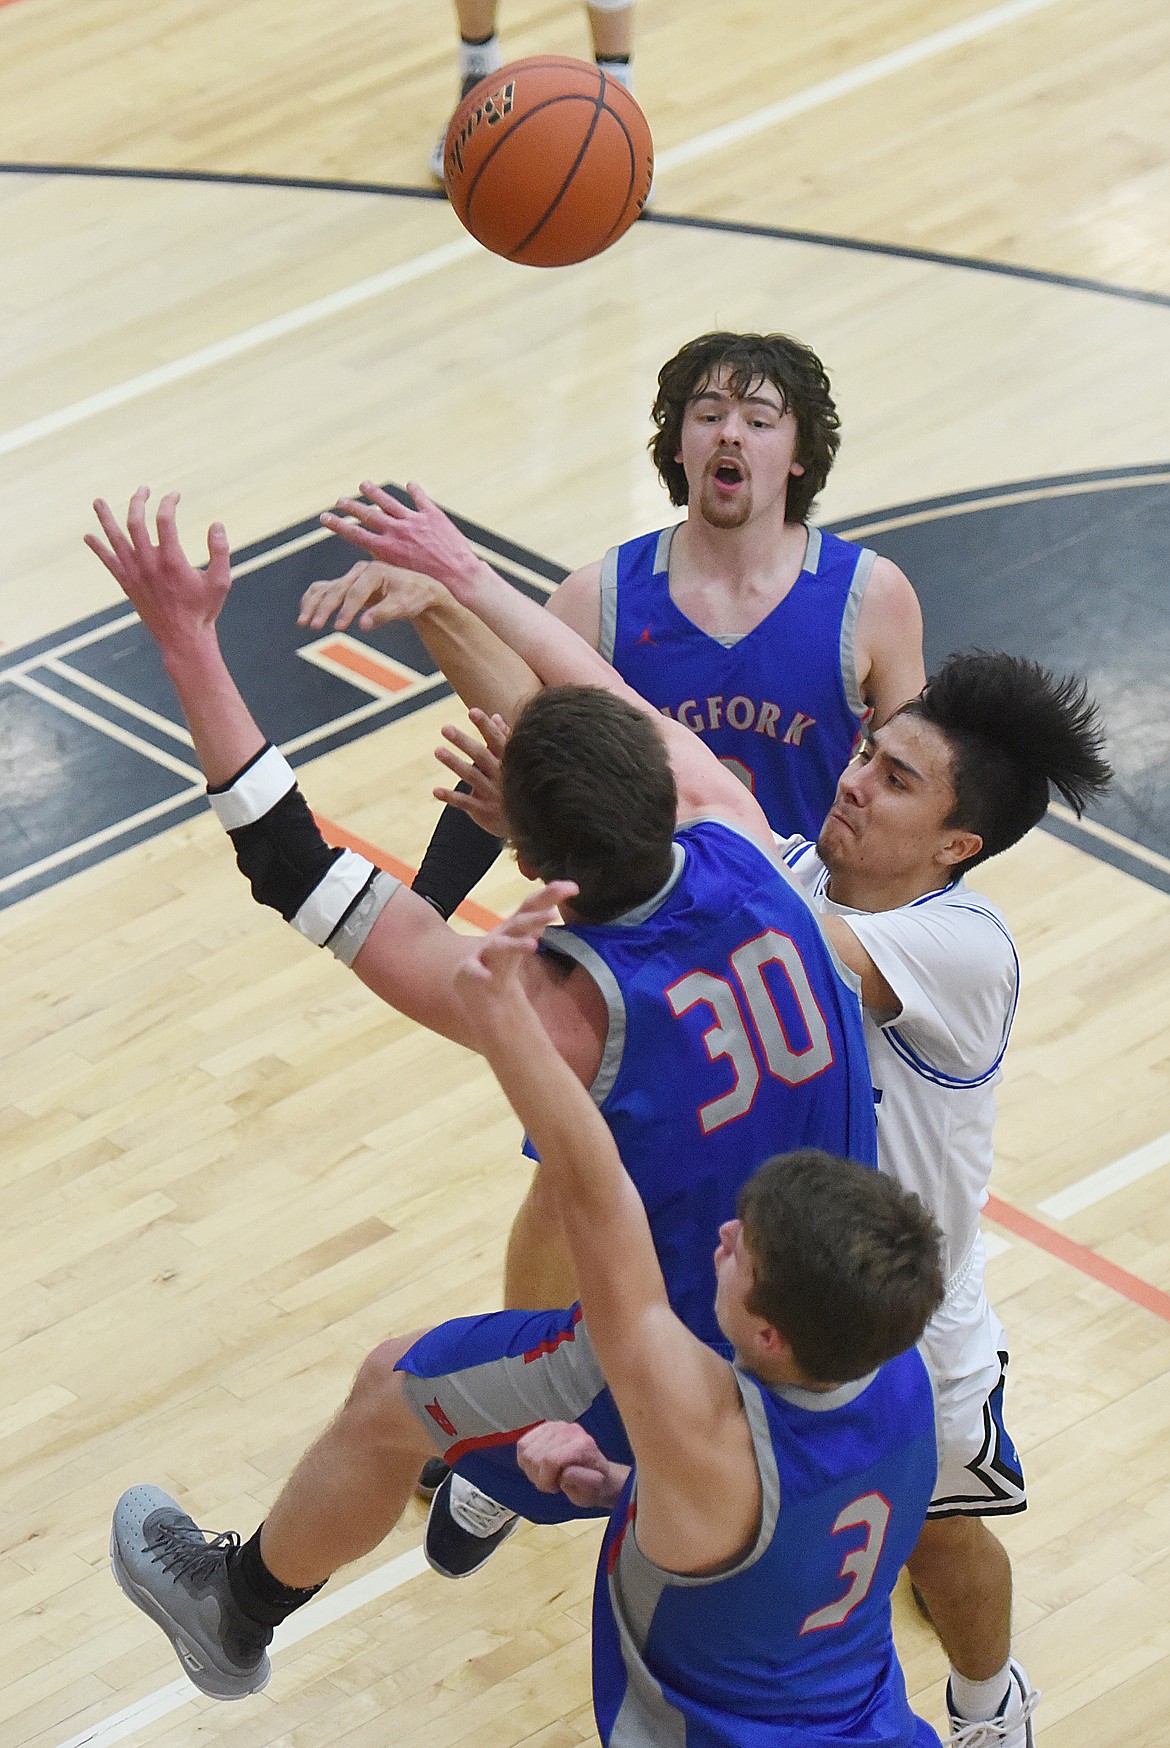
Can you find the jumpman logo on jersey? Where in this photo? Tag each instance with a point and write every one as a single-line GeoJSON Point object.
{"type": "Point", "coordinates": [646, 638]}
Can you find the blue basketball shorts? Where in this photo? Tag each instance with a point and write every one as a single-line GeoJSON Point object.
{"type": "Point", "coordinates": [477, 1384]}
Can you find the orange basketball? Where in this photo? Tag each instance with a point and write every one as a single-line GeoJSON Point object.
{"type": "Point", "coordinates": [548, 161]}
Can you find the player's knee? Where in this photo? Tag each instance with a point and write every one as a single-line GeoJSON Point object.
{"type": "Point", "coordinates": [376, 1408]}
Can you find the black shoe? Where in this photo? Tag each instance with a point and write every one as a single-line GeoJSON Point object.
{"type": "Point", "coordinates": [430, 1478]}
{"type": "Point", "coordinates": [464, 1528]}
{"type": "Point", "coordinates": [168, 1568]}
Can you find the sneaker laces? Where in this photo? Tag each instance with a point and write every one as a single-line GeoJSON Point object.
{"type": "Point", "coordinates": [475, 1511]}
{"type": "Point", "coordinates": [184, 1551]}
{"type": "Point", "coordinates": [995, 1732]}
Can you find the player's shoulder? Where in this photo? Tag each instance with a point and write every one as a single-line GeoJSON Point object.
{"type": "Point", "coordinates": [957, 926]}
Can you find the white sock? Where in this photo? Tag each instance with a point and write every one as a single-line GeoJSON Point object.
{"type": "Point", "coordinates": [979, 1701]}
{"type": "Point", "coordinates": [478, 59]}
{"type": "Point", "coordinates": [620, 71]}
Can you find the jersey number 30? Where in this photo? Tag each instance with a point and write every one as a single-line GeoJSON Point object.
{"type": "Point", "coordinates": [729, 1035]}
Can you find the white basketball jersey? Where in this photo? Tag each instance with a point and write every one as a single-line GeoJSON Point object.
{"type": "Point", "coordinates": [949, 958]}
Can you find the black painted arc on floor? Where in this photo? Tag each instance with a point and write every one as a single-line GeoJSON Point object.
{"type": "Point", "coordinates": [1069, 571]}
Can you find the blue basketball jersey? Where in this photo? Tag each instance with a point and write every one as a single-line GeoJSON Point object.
{"type": "Point", "coordinates": [792, 1647]}
{"type": "Point", "coordinates": [780, 705]}
{"type": "Point", "coordinates": [733, 1036]}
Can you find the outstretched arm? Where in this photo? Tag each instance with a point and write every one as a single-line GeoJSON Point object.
{"type": "Point", "coordinates": [393, 939]}
{"type": "Point", "coordinates": [426, 540]}
{"type": "Point", "coordinates": [486, 674]}
{"type": "Point", "coordinates": [697, 1477]}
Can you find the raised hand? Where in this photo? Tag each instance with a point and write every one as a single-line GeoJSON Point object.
{"type": "Point", "coordinates": [377, 592]}
{"type": "Point", "coordinates": [479, 768]}
{"type": "Point", "coordinates": [489, 978]}
{"type": "Point", "coordinates": [561, 1457]}
{"type": "Point", "coordinates": [421, 539]}
{"type": "Point", "coordinates": [175, 601]}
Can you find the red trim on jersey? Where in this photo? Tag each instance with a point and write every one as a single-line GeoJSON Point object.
{"type": "Point", "coordinates": [546, 1347]}
{"type": "Point", "coordinates": [615, 1547]}
{"type": "Point", "coordinates": [490, 1441]}
{"type": "Point", "coordinates": [1026, 1226]}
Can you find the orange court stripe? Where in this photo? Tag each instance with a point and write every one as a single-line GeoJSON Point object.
{"type": "Point", "coordinates": [337, 834]}
{"type": "Point", "coordinates": [1079, 1256]}
{"type": "Point", "coordinates": [367, 666]}
{"type": "Point", "coordinates": [1026, 1226]}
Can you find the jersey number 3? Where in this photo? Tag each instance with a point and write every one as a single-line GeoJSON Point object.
{"type": "Point", "coordinates": [729, 1035]}
{"type": "Point", "coordinates": [872, 1511]}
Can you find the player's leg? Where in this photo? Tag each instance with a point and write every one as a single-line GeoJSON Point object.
{"type": "Point", "coordinates": [218, 1601]}
{"type": "Point", "coordinates": [960, 1568]}
{"type": "Point", "coordinates": [479, 54]}
{"type": "Point", "coordinates": [538, 1269]}
{"type": "Point", "coordinates": [479, 1384]}
{"type": "Point", "coordinates": [611, 26]}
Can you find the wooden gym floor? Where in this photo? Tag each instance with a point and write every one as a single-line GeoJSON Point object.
{"type": "Point", "coordinates": [226, 1171]}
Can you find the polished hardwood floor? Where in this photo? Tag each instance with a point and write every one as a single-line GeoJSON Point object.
{"type": "Point", "coordinates": [226, 1171]}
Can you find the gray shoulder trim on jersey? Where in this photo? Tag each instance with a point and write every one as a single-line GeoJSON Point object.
{"type": "Point", "coordinates": [642, 1582]}
{"type": "Point", "coordinates": [812, 552]}
{"type": "Point", "coordinates": [662, 550]}
{"type": "Point", "coordinates": [571, 946]}
{"type": "Point", "coordinates": [631, 918]}
{"type": "Point", "coordinates": [607, 633]}
{"type": "Point", "coordinates": [820, 1401]}
{"type": "Point", "coordinates": [861, 575]}
{"type": "Point", "coordinates": [646, 1718]}
{"type": "Point", "coordinates": [713, 817]}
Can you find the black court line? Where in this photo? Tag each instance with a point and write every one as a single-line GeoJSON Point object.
{"type": "Point", "coordinates": [681, 221]}
{"type": "Point", "coordinates": [1068, 570]}
{"type": "Point", "coordinates": [88, 719]}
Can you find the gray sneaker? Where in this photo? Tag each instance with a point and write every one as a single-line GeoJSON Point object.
{"type": "Point", "coordinates": [173, 1573]}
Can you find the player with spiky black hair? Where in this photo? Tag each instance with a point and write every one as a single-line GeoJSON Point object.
{"type": "Point", "coordinates": [956, 776]}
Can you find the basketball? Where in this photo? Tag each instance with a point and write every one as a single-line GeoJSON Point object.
{"type": "Point", "coordinates": [548, 161]}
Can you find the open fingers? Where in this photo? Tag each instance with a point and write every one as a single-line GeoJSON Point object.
{"type": "Point", "coordinates": [112, 563]}
{"type": "Point", "coordinates": [477, 751]}
{"type": "Point", "coordinates": [113, 532]}
{"type": "Point", "coordinates": [389, 505]}
{"type": "Point", "coordinates": [493, 730]}
{"type": "Point", "coordinates": [351, 531]}
{"type": "Point", "coordinates": [136, 524]}
{"type": "Point", "coordinates": [168, 533]}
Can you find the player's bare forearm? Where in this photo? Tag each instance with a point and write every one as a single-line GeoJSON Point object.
{"type": "Point", "coordinates": [222, 727]}
{"type": "Point", "coordinates": [487, 674]}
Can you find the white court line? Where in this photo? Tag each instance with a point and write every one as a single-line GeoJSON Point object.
{"type": "Point", "coordinates": [71, 851]}
{"type": "Point", "coordinates": [310, 1619]}
{"type": "Point", "coordinates": [106, 727]}
{"type": "Point", "coordinates": [428, 683]}
{"type": "Point", "coordinates": [912, 54]}
{"type": "Point", "coordinates": [1087, 1191]}
{"type": "Point", "coordinates": [293, 321]}
{"type": "Point", "coordinates": [86, 683]}
{"type": "Point", "coordinates": [278, 328]}
{"type": "Point", "coordinates": [81, 641]}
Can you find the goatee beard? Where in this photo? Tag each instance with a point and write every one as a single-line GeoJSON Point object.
{"type": "Point", "coordinates": [718, 514]}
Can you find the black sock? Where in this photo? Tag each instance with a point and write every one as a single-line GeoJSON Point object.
{"type": "Point", "coordinates": [257, 1593]}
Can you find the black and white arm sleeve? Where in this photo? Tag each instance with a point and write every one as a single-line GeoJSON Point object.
{"type": "Point", "coordinates": [333, 897]}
